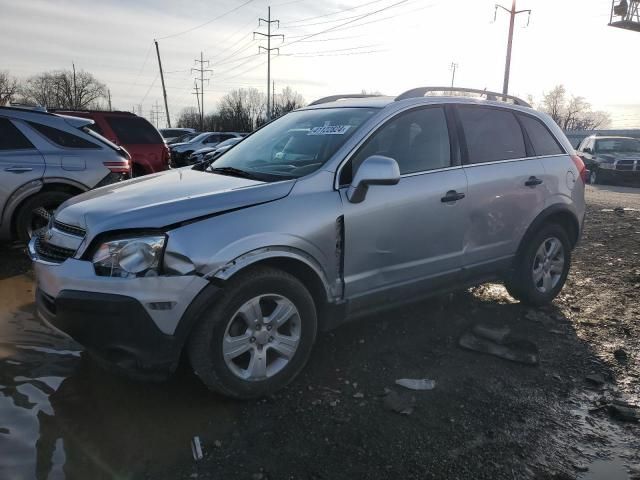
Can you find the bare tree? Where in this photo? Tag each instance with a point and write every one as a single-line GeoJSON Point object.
{"type": "Point", "coordinates": [64, 89]}
{"type": "Point", "coordinates": [8, 87]}
{"type": "Point", "coordinates": [189, 118]}
{"type": "Point", "coordinates": [287, 101]}
{"type": "Point", "coordinates": [572, 113]}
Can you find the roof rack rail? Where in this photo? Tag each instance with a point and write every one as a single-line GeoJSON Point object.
{"type": "Point", "coordinates": [333, 98]}
{"type": "Point", "coordinates": [494, 96]}
{"type": "Point", "coordinates": [24, 106]}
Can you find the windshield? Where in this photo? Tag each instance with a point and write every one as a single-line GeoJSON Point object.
{"type": "Point", "coordinates": [296, 144]}
{"type": "Point", "coordinates": [612, 145]}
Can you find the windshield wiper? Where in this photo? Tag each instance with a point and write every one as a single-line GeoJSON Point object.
{"type": "Point", "coordinates": [235, 172]}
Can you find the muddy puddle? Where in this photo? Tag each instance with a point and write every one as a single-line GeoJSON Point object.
{"type": "Point", "coordinates": [62, 417]}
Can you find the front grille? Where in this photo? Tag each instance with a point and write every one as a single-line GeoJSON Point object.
{"type": "Point", "coordinates": [70, 229]}
{"type": "Point", "coordinates": [625, 165]}
{"type": "Point", "coordinates": [51, 253]}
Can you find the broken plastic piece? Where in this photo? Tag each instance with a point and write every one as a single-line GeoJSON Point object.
{"type": "Point", "coordinates": [196, 448]}
{"type": "Point", "coordinates": [416, 383]}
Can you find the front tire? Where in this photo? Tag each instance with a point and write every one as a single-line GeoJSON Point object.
{"type": "Point", "coordinates": [594, 176]}
{"type": "Point", "coordinates": [257, 337]}
{"type": "Point", "coordinates": [542, 267]}
{"type": "Point", "coordinates": [36, 211]}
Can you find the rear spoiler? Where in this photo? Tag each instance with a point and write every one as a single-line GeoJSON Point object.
{"type": "Point", "coordinates": [76, 122]}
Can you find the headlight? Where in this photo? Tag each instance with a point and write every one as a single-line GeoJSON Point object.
{"type": "Point", "coordinates": [129, 257]}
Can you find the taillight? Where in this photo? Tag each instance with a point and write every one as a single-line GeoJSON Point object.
{"type": "Point", "coordinates": [166, 155]}
{"type": "Point", "coordinates": [118, 167]}
{"type": "Point", "coordinates": [582, 170]}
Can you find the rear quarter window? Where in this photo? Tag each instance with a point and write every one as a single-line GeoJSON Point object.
{"type": "Point", "coordinates": [11, 138]}
{"type": "Point", "coordinates": [491, 134]}
{"type": "Point", "coordinates": [543, 142]}
{"type": "Point", "coordinates": [134, 130]}
{"type": "Point", "coordinates": [62, 138]}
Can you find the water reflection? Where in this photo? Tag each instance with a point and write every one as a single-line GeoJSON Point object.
{"type": "Point", "coordinates": [63, 417]}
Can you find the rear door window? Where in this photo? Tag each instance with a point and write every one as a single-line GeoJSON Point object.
{"type": "Point", "coordinates": [11, 138]}
{"type": "Point", "coordinates": [62, 138]}
{"type": "Point", "coordinates": [543, 142]}
{"type": "Point", "coordinates": [491, 134]}
{"type": "Point", "coordinates": [133, 130]}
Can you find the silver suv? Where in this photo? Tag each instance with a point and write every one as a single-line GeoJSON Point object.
{"type": "Point", "coordinates": [347, 206]}
{"type": "Point", "coordinates": [46, 159]}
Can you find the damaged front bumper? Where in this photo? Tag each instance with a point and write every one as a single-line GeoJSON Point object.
{"type": "Point", "coordinates": [130, 322]}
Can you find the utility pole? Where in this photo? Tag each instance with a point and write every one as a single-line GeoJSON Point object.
{"type": "Point", "coordinates": [164, 90]}
{"type": "Point", "coordinates": [453, 67]}
{"type": "Point", "coordinates": [202, 70]}
{"type": "Point", "coordinates": [273, 98]}
{"type": "Point", "coordinates": [195, 84]}
{"type": "Point", "coordinates": [75, 90]}
{"type": "Point", "coordinates": [268, 36]}
{"type": "Point", "coordinates": [109, 98]}
{"type": "Point", "coordinates": [512, 17]}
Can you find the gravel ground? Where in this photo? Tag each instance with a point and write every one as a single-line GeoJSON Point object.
{"type": "Point", "coordinates": [486, 418]}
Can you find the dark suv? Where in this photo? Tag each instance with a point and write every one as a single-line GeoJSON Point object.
{"type": "Point", "coordinates": [149, 153]}
{"type": "Point", "coordinates": [611, 159]}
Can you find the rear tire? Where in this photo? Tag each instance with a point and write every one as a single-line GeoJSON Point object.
{"type": "Point", "coordinates": [240, 356]}
{"type": "Point", "coordinates": [542, 266]}
{"type": "Point", "coordinates": [34, 213]}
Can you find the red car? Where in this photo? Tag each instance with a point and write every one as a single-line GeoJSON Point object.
{"type": "Point", "coordinates": [149, 152]}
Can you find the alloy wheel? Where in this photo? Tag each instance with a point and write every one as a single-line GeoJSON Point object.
{"type": "Point", "coordinates": [548, 265]}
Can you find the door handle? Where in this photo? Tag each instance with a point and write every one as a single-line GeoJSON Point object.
{"type": "Point", "coordinates": [452, 196]}
{"type": "Point", "coordinates": [18, 169]}
{"type": "Point", "coordinates": [533, 181]}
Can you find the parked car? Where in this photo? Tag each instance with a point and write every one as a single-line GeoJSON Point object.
{"type": "Point", "coordinates": [180, 152]}
{"type": "Point", "coordinates": [211, 153]}
{"type": "Point", "coordinates": [170, 134]}
{"type": "Point", "coordinates": [149, 153]}
{"type": "Point", "coordinates": [45, 159]}
{"type": "Point", "coordinates": [183, 138]}
{"type": "Point", "coordinates": [330, 212]}
{"type": "Point", "coordinates": [611, 159]}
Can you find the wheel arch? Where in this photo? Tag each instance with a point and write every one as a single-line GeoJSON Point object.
{"type": "Point", "coordinates": [559, 214]}
{"type": "Point", "coordinates": [47, 185]}
{"type": "Point", "coordinates": [290, 260]}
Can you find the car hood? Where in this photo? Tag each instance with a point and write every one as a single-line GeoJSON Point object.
{"type": "Point", "coordinates": [163, 199]}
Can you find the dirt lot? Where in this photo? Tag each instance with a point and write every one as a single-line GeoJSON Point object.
{"type": "Point", "coordinates": [486, 418]}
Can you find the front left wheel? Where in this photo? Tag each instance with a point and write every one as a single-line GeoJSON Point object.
{"type": "Point", "coordinates": [257, 337]}
{"type": "Point", "coordinates": [35, 213]}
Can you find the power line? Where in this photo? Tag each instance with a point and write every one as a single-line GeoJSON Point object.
{"type": "Point", "coordinates": [305, 37]}
{"type": "Point", "coordinates": [208, 21]}
{"type": "Point", "coordinates": [334, 13]}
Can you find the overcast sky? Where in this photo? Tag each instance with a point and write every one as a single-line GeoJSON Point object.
{"type": "Point", "coordinates": [407, 44]}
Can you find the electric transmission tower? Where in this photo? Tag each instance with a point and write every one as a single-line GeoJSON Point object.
{"type": "Point", "coordinates": [268, 49]}
{"type": "Point", "coordinates": [202, 71]}
{"type": "Point", "coordinates": [512, 17]}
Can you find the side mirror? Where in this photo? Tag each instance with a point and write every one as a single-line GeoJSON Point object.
{"type": "Point", "coordinates": [587, 150]}
{"type": "Point", "coordinates": [375, 170]}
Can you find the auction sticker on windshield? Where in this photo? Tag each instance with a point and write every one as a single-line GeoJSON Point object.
{"type": "Point", "coordinates": [329, 130]}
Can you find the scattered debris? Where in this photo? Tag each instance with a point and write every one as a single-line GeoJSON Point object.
{"type": "Point", "coordinates": [618, 211]}
{"type": "Point", "coordinates": [624, 411]}
{"type": "Point", "coordinates": [334, 403]}
{"type": "Point", "coordinates": [358, 395]}
{"type": "Point", "coordinates": [416, 383]}
{"type": "Point", "coordinates": [217, 444]}
{"type": "Point", "coordinates": [581, 467]}
{"type": "Point", "coordinates": [196, 448]}
{"type": "Point", "coordinates": [503, 345]}
{"type": "Point", "coordinates": [399, 403]}
{"type": "Point", "coordinates": [596, 379]}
